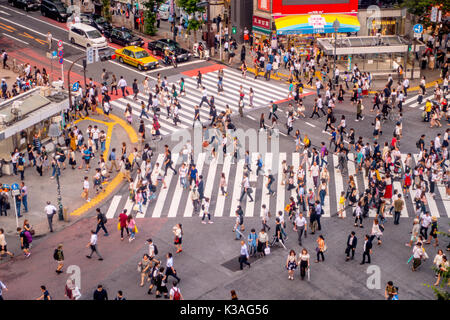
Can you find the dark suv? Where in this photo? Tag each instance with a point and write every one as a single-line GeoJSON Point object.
{"type": "Point", "coordinates": [123, 37]}
{"type": "Point", "coordinates": [96, 21]}
{"type": "Point", "coordinates": [55, 10]}
{"type": "Point", "coordinates": [27, 5]}
{"type": "Point", "coordinates": [158, 47]}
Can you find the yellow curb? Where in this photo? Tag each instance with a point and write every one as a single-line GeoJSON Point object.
{"type": "Point", "coordinates": [252, 70]}
{"type": "Point", "coordinates": [114, 183]}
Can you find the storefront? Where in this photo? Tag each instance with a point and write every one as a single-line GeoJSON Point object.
{"type": "Point", "coordinates": [261, 28]}
{"type": "Point", "coordinates": [386, 26]}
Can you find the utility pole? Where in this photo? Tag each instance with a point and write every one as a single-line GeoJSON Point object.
{"type": "Point", "coordinates": [336, 25]}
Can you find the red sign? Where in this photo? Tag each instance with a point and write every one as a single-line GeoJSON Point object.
{"type": "Point", "coordinates": [264, 5]}
{"type": "Point", "coordinates": [261, 22]}
{"type": "Point", "coordinates": [285, 7]}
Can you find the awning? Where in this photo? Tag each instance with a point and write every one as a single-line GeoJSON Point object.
{"type": "Point", "coordinates": [317, 23]}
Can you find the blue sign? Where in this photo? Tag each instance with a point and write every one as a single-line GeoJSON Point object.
{"type": "Point", "coordinates": [5, 186]}
{"type": "Point", "coordinates": [54, 53]}
{"type": "Point", "coordinates": [418, 28]}
{"type": "Point", "coordinates": [75, 86]}
{"type": "Point", "coordinates": [61, 60]}
{"type": "Point", "coordinates": [14, 186]}
{"type": "Point", "coordinates": [60, 54]}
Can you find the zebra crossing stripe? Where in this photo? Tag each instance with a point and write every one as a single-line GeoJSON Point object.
{"type": "Point", "coordinates": [414, 105]}
{"type": "Point", "coordinates": [430, 200]}
{"type": "Point", "coordinates": [163, 192]}
{"type": "Point", "coordinates": [113, 207]}
{"type": "Point", "coordinates": [443, 194]}
{"type": "Point", "coordinates": [220, 202]}
{"type": "Point", "coordinates": [257, 83]}
{"type": "Point", "coordinates": [253, 165]}
{"type": "Point", "coordinates": [211, 177]}
{"type": "Point", "coordinates": [308, 175]}
{"type": "Point", "coordinates": [265, 197]}
{"type": "Point", "coordinates": [175, 202]}
{"type": "Point", "coordinates": [339, 183]}
{"type": "Point", "coordinates": [199, 165]}
{"type": "Point", "coordinates": [280, 187]}
{"type": "Point", "coordinates": [296, 165]}
{"type": "Point", "coordinates": [237, 187]}
{"type": "Point", "coordinates": [351, 169]}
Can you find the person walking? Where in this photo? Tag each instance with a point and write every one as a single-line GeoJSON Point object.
{"type": "Point", "coordinates": [144, 268]}
{"type": "Point", "coordinates": [301, 226]}
{"type": "Point", "coordinates": [170, 270]}
{"type": "Point", "coordinates": [101, 220]}
{"type": "Point", "coordinates": [367, 249]}
{"type": "Point", "coordinates": [2, 287]}
{"type": "Point", "coordinates": [175, 293]}
{"type": "Point", "coordinates": [25, 242]}
{"type": "Point", "coordinates": [93, 246]}
{"type": "Point", "coordinates": [398, 207]}
{"type": "Point", "coordinates": [243, 256]}
{"type": "Point", "coordinates": [50, 210]}
{"type": "Point", "coordinates": [100, 294]}
{"type": "Point", "coordinates": [45, 295]}
{"type": "Point", "coordinates": [205, 208]}
{"type": "Point", "coordinates": [24, 195]}
{"type": "Point", "coordinates": [352, 241]}
{"type": "Point", "coordinates": [131, 225]}
{"type": "Point", "coordinates": [178, 232]}
{"type": "Point", "coordinates": [58, 255]}
{"type": "Point", "coordinates": [303, 261]}
{"type": "Point", "coordinates": [418, 255]}
{"type": "Point", "coordinates": [3, 247]}
{"type": "Point", "coordinates": [291, 264]}
{"type": "Point", "coordinates": [321, 248]}
{"type": "Point", "coordinates": [123, 223]}
{"type": "Point", "coordinates": [123, 86]}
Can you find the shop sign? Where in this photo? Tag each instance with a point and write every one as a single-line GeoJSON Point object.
{"type": "Point", "coordinates": [261, 22]}
{"type": "Point", "coordinates": [264, 5]}
{"type": "Point", "coordinates": [317, 22]}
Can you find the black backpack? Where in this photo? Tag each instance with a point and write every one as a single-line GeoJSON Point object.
{"type": "Point", "coordinates": [55, 254]}
{"type": "Point", "coordinates": [156, 249]}
{"type": "Point", "coordinates": [104, 218]}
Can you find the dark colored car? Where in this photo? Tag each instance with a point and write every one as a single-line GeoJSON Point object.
{"type": "Point", "coordinates": [55, 10]}
{"type": "Point", "coordinates": [105, 54]}
{"type": "Point", "coordinates": [27, 5]}
{"type": "Point", "coordinates": [96, 21]}
{"type": "Point", "coordinates": [123, 37]}
{"type": "Point", "coordinates": [158, 47]}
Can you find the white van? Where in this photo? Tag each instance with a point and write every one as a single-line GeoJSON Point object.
{"type": "Point", "coordinates": [86, 36]}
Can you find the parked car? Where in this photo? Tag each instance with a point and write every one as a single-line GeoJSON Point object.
{"type": "Point", "coordinates": [164, 11]}
{"type": "Point", "coordinates": [55, 10]}
{"type": "Point", "coordinates": [27, 5]}
{"type": "Point", "coordinates": [86, 36]}
{"type": "Point", "coordinates": [96, 21]}
{"type": "Point", "coordinates": [123, 37]}
{"type": "Point", "coordinates": [158, 47]}
{"type": "Point", "coordinates": [136, 57]}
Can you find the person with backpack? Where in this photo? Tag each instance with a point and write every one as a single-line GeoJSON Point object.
{"type": "Point", "coordinates": [175, 293]}
{"type": "Point", "coordinates": [25, 240]}
{"type": "Point", "coordinates": [152, 250]}
{"type": "Point", "coordinates": [101, 221]}
{"type": "Point", "coordinates": [58, 255]}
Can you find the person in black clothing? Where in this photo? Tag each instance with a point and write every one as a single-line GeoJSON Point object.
{"type": "Point", "coordinates": [352, 240]}
{"type": "Point", "coordinates": [168, 162]}
{"type": "Point", "coordinates": [101, 218]}
{"type": "Point", "coordinates": [330, 119]}
{"type": "Point", "coordinates": [315, 109]}
{"type": "Point", "coordinates": [45, 294]}
{"type": "Point", "coordinates": [120, 296]}
{"type": "Point", "coordinates": [100, 294]}
{"type": "Point", "coordinates": [367, 249]}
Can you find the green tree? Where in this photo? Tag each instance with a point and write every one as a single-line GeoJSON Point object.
{"type": "Point", "coordinates": [422, 9]}
{"type": "Point", "coordinates": [191, 8]}
{"type": "Point", "coordinates": [106, 10]}
{"type": "Point", "coordinates": [150, 16]}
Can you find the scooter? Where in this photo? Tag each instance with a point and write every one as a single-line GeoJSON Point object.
{"type": "Point", "coordinates": [200, 51]}
{"type": "Point", "coordinates": [171, 60]}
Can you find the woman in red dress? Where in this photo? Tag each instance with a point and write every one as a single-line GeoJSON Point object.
{"type": "Point", "coordinates": [388, 191]}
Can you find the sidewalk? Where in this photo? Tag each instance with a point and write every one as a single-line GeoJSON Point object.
{"type": "Point", "coordinates": [43, 189]}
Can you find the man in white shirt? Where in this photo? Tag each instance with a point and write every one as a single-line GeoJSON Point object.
{"type": "Point", "coordinates": [300, 224]}
{"type": "Point", "coordinates": [93, 245]}
{"type": "Point", "coordinates": [437, 143]}
{"type": "Point", "coordinates": [265, 217]}
{"type": "Point", "coordinates": [50, 210]}
{"type": "Point", "coordinates": [204, 98]}
{"type": "Point", "coordinates": [336, 74]}
{"type": "Point", "coordinates": [183, 170]}
{"type": "Point", "coordinates": [175, 293]}
{"type": "Point", "coordinates": [123, 86]}
{"type": "Point", "coordinates": [406, 86]}
{"type": "Point", "coordinates": [318, 86]}
{"type": "Point", "coordinates": [245, 188]}
{"type": "Point", "coordinates": [425, 223]}
{"type": "Point", "coordinates": [170, 271]}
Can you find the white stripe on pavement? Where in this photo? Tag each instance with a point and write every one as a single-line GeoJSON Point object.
{"type": "Point", "coordinates": [113, 207]}
{"type": "Point", "coordinates": [220, 202]}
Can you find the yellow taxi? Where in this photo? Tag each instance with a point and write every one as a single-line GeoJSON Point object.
{"type": "Point", "coordinates": [137, 57]}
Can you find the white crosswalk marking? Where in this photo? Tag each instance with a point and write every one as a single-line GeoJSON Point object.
{"type": "Point", "coordinates": [220, 202]}
{"type": "Point", "coordinates": [296, 164]}
{"type": "Point", "coordinates": [113, 207]}
{"type": "Point", "coordinates": [339, 184]}
{"type": "Point", "coordinates": [171, 198]}
{"type": "Point", "coordinates": [199, 166]}
{"type": "Point", "coordinates": [265, 197]}
{"type": "Point", "coordinates": [280, 188]}
{"type": "Point", "coordinates": [237, 187]}
{"type": "Point", "coordinates": [430, 200]}
{"type": "Point", "coordinates": [163, 192]}
{"type": "Point", "coordinates": [253, 166]}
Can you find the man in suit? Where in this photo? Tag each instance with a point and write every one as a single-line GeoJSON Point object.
{"type": "Point", "coordinates": [367, 249]}
{"type": "Point", "coordinates": [201, 187]}
{"type": "Point", "coordinates": [352, 240]}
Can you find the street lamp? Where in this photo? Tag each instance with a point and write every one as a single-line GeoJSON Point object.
{"type": "Point", "coordinates": [54, 131]}
{"type": "Point", "coordinates": [336, 25]}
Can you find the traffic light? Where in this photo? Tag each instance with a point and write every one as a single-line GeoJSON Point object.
{"type": "Point", "coordinates": [409, 47]}
{"type": "Point", "coordinates": [233, 30]}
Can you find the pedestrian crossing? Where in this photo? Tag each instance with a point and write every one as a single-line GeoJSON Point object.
{"type": "Point", "coordinates": [264, 92]}
{"type": "Point", "coordinates": [175, 201]}
{"type": "Point", "coordinates": [413, 102]}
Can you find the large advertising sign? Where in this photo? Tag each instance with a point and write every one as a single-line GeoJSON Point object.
{"type": "Point", "coordinates": [285, 7]}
